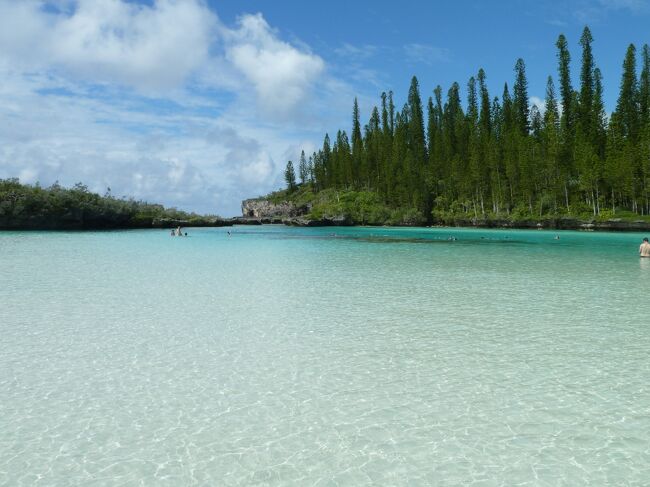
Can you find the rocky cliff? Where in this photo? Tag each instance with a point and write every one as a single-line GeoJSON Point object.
{"type": "Point", "coordinates": [264, 209]}
{"type": "Point", "coordinates": [258, 211]}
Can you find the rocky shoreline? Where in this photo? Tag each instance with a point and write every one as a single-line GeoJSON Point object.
{"type": "Point", "coordinates": [259, 211]}
{"type": "Point", "coordinates": [615, 224]}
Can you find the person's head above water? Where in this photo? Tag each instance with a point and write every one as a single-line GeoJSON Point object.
{"type": "Point", "coordinates": [645, 239]}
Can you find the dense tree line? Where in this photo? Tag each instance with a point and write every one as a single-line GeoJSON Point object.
{"type": "Point", "coordinates": [33, 207]}
{"type": "Point", "coordinates": [498, 155]}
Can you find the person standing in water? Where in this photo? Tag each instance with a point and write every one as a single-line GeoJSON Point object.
{"type": "Point", "coordinates": [644, 249]}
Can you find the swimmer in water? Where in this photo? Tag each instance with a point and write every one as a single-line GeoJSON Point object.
{"type": "Point", "coordinates": [644, 249]}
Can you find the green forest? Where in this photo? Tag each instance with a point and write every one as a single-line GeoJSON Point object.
{"type": "Point", "coordinates": [496, 156]}
{"type": "Point", "coordinates": [25, 206]}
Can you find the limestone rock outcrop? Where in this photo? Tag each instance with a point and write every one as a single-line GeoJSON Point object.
{"type": "Point", "coordinates": [263, 208]}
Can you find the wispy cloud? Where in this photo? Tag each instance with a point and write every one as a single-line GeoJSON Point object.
{"type": "Point", "coordinates": [362, 52]}
{"type": "Point", "coordinates": [633, 5]}
{"type": "Point", "coordinates": [425, 54]}
{"type": "Point", "coordinates": [594, 11]}
{"type": "Point", "coordinates": [538, 102]}
{"type": "Point", "coordinates": [557, 23]}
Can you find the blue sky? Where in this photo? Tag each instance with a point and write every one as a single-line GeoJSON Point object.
{"type": "Point", "coordinates": [200, 104]}
{"type": "Point", "coordinates": [456, 38]}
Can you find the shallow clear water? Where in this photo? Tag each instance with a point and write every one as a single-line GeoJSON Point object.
{"type": "Point", "coordinates": [286, 356]}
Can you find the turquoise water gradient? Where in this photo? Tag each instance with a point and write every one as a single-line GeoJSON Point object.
{"type": "Point", "coordinates": [287, 356]}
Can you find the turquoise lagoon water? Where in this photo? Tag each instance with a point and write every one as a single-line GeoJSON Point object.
{"type": "Point", "coordinates": [286, 356]}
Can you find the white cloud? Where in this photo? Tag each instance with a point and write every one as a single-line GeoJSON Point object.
{"type": "Point", "coordinates": [28, 175]}
{"type": "Point", "coordinates": [280, 73]}
{"type": "Point", "coordinates": [146, 47]}
{"type": "Point", "coordinates": [257, 171]}
{"type": "Point", "coordinates": [210, 166]}
{"type": "Point", "coordinates": [539, 103]}
{"type": "Point", "coordinates": [157, 48]}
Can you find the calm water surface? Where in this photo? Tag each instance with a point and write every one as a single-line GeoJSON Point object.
{"type": "Point", "coordinates": [284, 356]}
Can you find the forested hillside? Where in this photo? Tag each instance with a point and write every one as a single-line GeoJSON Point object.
{"type": "Point", "coordinates": [57, 208]}
{"type": "Point", "coordinates": [498, 156]}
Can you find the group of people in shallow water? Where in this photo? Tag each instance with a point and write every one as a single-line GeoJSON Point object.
{"type": "Point", "coordinates": [178, 232]}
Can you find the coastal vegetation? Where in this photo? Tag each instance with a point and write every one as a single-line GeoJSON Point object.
{"type": "Point", "coordinates": [362, 207]}
{"type": "Point", "coordinates": [496, 157]}
{"type": "Point", "coordinates": [33, 207]}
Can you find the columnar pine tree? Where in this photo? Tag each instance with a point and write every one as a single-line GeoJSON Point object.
{"type": "Point", "coordinates": [644, 85]}
{"type": "Point", "coordinates": [585, 143]}
{"type": "Point", "coordinates": [644, 140]}
{"type": "Point", "coordinates": [627, 112]}
{"type": "Point", "coordinates": [520, 100]}
{"type": "Point", "coordinates": [437, 148]}
{"type": "Point", "coordinates": [417, 146]}
{"type": "Point", "coordinates": [310, 168]}
{"type": "Point", "coordinates": [372, 150]}
{"type": "Point", "coordinates": [567, 119]}
{"type": "Point", "coordinates": [290, 176]}
{"type": "Point", "coordinates": [357, 147]}
{"type": "Point", "coordinates": [566, 91]}
{"type": "Point", "coordinates": [551, 145]}
{"type": "Point", "coordinates": [587, 85]}
{"type": "Point", "coordinates": [329, 177]}
{"type": "Point", "coordinates": [303, 169]}
{"type": "Point", "coordinates": [471, 188]}
{"type": "Point", "coordinates": [627, 105]}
